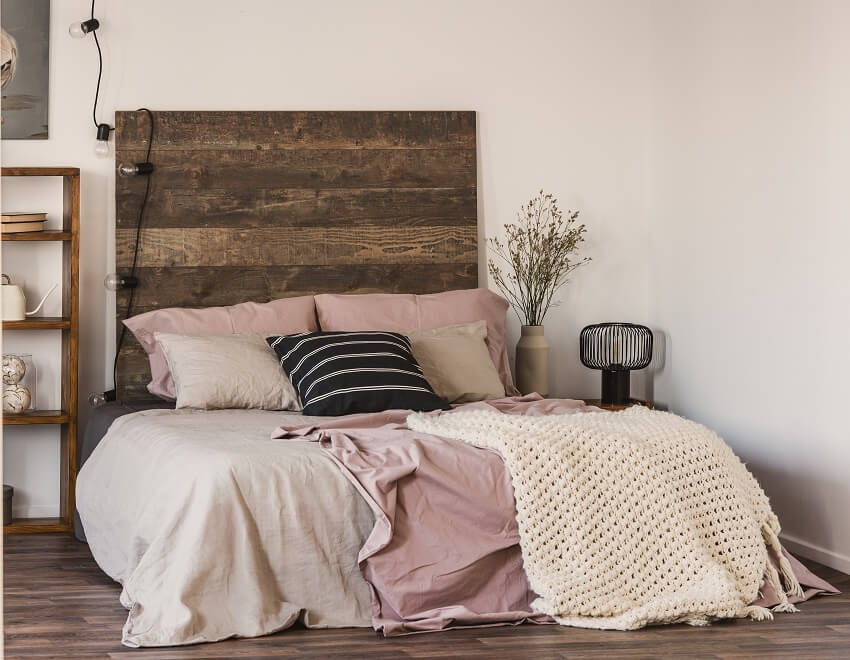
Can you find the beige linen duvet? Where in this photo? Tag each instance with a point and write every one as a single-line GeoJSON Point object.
{"type": "Point", "coordinates": [215, 531]}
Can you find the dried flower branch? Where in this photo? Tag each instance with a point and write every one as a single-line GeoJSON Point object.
{"type": "Point", "coordinates": [536, 252]}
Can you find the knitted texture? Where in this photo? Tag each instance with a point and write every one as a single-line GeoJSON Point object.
{"type": "Point", "coordinates": [630, 518]}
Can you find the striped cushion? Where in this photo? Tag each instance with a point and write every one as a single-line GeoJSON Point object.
{"type": "Point", "coordinates": [338, 373]}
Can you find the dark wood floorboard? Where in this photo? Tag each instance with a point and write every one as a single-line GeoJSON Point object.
{"type": "Point", "coordinates": [59, 604]}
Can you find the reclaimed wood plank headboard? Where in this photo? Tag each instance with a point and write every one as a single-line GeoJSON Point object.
{"type": "Point", "coordinates": [264, 205]}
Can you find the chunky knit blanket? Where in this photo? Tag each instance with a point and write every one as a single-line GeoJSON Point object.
{"type": "Point", "coordinates": [631, 518]}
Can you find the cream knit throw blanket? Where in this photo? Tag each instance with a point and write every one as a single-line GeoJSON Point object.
{"type": "Point", "coordinates": [630, 518]}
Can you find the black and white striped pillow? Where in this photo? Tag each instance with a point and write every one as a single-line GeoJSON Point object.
{"type": "Point", "coordinates": [338, 373]}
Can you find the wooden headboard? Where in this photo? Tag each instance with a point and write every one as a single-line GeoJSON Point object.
{"type": "Point", "coordinates": [264, 205]}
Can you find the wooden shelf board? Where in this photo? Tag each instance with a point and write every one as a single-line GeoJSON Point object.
{"type": "Point", "coordinates": [39, 323]}
{"type": "Point", "coordinates": [36, 525]}
{"type": "Point", "coordinates": [48, 235]}
{"type": "Point", "coordinates": [40, 171]}
{"type": "Point", "coordinates": [37, 417]}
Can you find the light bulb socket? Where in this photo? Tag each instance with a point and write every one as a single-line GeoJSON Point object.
{"type": "Point", "coordinates": [90, 25]}
{"type": "Point", "coordinates": [103, 132]}
{"type": "Point", "coordinates": [135, 169]}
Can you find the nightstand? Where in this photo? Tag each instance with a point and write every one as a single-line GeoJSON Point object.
{"type": "Point", "coordinates": [607, 406]}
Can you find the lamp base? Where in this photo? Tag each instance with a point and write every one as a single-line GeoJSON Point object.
{"type": "Point", "coordinates": [616, 387]}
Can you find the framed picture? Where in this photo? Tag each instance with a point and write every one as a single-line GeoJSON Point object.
{"type": "Point", "coordinates": [24, 62]}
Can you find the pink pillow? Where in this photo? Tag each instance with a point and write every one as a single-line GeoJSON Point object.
{"type": "Point", "coordinates": [278, 317]}
{"type": "Point", "coordinates": [406, 311]}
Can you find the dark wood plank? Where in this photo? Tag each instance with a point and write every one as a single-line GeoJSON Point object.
{"type": "Point", "coordinates": [313, 169]}
{"type": "Point", "coordinates": [306, 246]}
{"type": "Point", "coordinates": [208, 286]}
{"type": "Point", "coordinates": [57, 603]}
{"type": "Point", "coordinates": [298, 207]}
{"type": "Point", "coordinates": [134, 375]}
{"type": "Point", "coordinates": [302, 130]}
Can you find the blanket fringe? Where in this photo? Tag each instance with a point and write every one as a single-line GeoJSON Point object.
{"type": "Point", "coordinates": [792, 585]}
{"type": "Point", "coordinates": [756, 613]}
{"type": "Point", "coordinates": [772, 577]}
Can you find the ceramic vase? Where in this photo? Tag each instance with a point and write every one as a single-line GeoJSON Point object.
{"type": "Point", "coordinates": [532, 361]}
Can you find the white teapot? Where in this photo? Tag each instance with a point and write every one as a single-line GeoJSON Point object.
{"type": "Point", "coordinates": [14, 301]}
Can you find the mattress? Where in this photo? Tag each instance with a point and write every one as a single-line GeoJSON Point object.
{"type": "Point", "coordinates": [215, 530]}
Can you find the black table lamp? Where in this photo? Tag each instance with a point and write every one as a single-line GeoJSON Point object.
{"type": "Point", "coordinates": [616, 349]}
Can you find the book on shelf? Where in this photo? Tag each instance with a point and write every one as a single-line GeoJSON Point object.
{"type": "Point", "coordinates": [21, 227]}
{"type": "Point", "coordinates": [23, 216]}
{"type": "Point", "coordinates": [18, 223]}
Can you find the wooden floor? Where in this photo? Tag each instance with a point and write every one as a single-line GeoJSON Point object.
{"type": "Point", "coordinates": [59, 604]}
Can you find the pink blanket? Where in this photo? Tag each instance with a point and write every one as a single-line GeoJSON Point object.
{"type": "Point", "coordinates": [444, 551]}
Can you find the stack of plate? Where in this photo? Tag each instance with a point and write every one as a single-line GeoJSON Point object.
{"type": "Point", "coordinates": [16, 223]}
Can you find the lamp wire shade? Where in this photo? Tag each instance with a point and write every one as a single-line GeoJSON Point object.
{"type": "Point", "coordinates": [616, 346]}
{"type": "Point", "coordinates": [616, 349]}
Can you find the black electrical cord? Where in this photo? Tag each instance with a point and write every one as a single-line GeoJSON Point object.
{"type": "Point", "coordinates": [99, 73]}
{"type": "Point", "coordinates": [142, 206]}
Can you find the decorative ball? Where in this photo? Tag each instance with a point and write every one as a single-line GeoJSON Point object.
{"type": "Point", "coordinates": [16, 399]}
{"type": "Point", "coordinates": [14, 368]}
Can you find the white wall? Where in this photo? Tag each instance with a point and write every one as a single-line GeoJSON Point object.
{"type": "Point", "coordinates": [559, 88]}
{"type": "Point", "coordinates": [749, 273]}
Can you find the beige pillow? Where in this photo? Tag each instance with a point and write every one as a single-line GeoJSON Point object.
{"type": "Point", "coordinates": [456, 362]}
{"type": "Point", "coordinates": [226, 371]}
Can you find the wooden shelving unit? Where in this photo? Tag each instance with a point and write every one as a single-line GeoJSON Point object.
{"type": "Point", "coordinates": [68, 325]}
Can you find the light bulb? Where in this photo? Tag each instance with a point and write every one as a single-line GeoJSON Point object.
{"type": "Point", "coordinates": [76, 31]}
{"type": "Point", "coordinates": [80, 29]}
{"type": "Point", "coordinates": [101, 147]}
{"type": "Point", "coordinates": [112, 282]}
{"type": "Point", "coordinates": [96, 399]}
{"type": "Point", "coordinates": [135, 169]}
{"type": "Point", "coordinates": [117, 282]}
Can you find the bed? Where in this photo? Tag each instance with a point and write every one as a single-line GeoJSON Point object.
{"type": "Point", "coordinates": [218, 527]}
{"type": "Point", "coordinates": [223, 523]}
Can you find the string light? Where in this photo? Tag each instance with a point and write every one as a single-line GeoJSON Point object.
{"type": "Point", "coordinates": [79, 30]}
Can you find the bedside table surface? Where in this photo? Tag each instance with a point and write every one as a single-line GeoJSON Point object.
{"type": "Point", "coordinates": [608, 406]}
